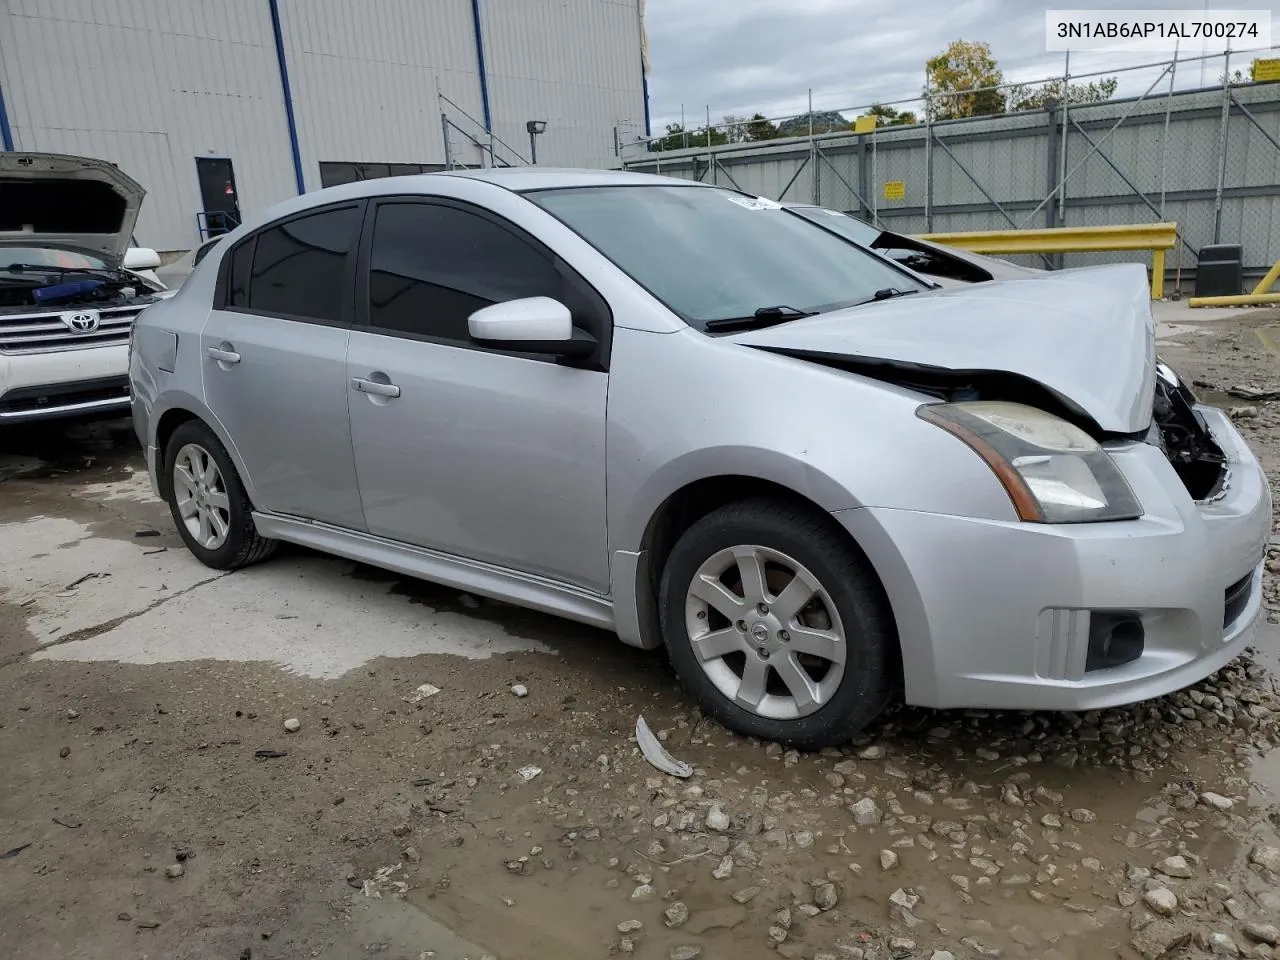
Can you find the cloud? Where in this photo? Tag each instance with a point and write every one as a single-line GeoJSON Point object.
{"type": "Point", "coordinates": [740, 56]}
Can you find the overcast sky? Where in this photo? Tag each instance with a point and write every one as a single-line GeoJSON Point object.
{"type": "Point", "coordinates": [739, 56]}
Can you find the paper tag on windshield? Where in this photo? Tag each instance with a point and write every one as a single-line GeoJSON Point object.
{"type": "Point", "coordinates": [756, 203]}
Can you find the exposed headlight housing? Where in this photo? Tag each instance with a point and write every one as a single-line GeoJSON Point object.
{"type": "Point", "coordinates": [1053, 471]}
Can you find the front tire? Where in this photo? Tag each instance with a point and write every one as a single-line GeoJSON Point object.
{"type": "Point", "coordinates": [208, 502]}
{"type": "Point", "coordinates": [778, 625]}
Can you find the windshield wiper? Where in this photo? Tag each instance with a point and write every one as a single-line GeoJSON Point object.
{"type": "Point", "coordinates": [763, 317]}
{"type": "Point", "coordinates": [887, 293]}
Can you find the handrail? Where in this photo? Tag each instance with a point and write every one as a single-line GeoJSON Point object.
{"type": "Point", "coordinates": [212, 223]}
{"type": "Point", "coordinates": [1156, 237]}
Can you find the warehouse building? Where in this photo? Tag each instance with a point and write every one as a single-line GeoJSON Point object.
{"type": "Point", "coordinates": [223, 107]}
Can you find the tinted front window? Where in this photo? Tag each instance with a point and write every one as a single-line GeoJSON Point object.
{"type": "Point", "coordinates": [299, 267]}
{"type": "Point", "coordinates": [432, 266]}
{"type": "Point", "coordinates": [711, 254]}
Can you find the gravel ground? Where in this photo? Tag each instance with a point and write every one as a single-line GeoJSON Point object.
{"type": "Point", "coordinates": [265, 765]}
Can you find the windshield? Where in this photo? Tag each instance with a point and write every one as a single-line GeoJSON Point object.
{"type": "Point", "coordinates": [711, 254]}
{"type": "Point", "coordinates": [48, 257]}
{"type": "Point", "coordinates": [841, 223]}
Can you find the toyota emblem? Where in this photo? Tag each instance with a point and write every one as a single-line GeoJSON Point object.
{"type": "Point", "coordinates": [84, 321]}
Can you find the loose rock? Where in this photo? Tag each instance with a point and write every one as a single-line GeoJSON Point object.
{"type": "Point", "coordinates": [1176, 867]}
{"type": "Point", "coordinates": [873, 752]}
{"type": "Point", "coordinates": [1263, 933]}
{"type": "Point", "coordinates": [1266, 857]}
{"type": "Point", "coordinates": [1083, 815]}
{"type": "Point", "coordinates": [687, 951]}
{"type": "Point", "coordinates": [293, 725]}
{"type": "Point", "coordinates": [825, 896]}
{"type": "Point", "coordinates": [888, 859]}
{"type": "Point", "coordinates": [1217, 801]}
{"type": "Point", "coordinates": [629, 926]}
{"type": "Point", "coordinates": [676, 915]}
{"type": "Point", "coordinates": [1161, 900]}
{"type": "Point", "coordinates": [519, 689]}
{"type": "Point", "coordinates": [642, 893]}
{"type": "Point", "coordinates": [725, 870]}
{"type": "Point", "coordinates": [866, 812]}
{"type": "Point", "coordinates": [1222, 945]}
{"type": "Point", "coordinates": [174, 870]}
{"type": "Point", "coordinates": [717, 819]}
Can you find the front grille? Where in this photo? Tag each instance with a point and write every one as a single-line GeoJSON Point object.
{"type": "Point", "coordinates": [22, 400]}
{"type": "Point", "coordinates": [46, 331]}
{"type": "Point", "coordinates": [1235, 599]}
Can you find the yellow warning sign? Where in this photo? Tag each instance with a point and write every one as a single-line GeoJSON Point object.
{"type": "Point", "coordinates": [865, 124]}
{"type": "Point", "coordinates": [1265, 70]}
{"type": "Point", "coordinates": [895, 190]}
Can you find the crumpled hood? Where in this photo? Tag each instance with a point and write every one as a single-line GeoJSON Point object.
{"type": "Point", "coordinates": [72, 203]}
{"type": "Point", "coordinates": [1085, 334]}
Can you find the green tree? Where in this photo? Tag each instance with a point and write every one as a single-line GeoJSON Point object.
{"type": "Point", "coordinates": [958, 80]}
{"type": "Point", "coordinates": [1238, 77]}
{"type": "Point", "coordinates": [759, 128]}
{"type": "Point", "coordinates": [678, 138]}
{"type": "Point", "coordinates": [1023, 97]}
{"type": "Point", "coordinates": [887, 116]}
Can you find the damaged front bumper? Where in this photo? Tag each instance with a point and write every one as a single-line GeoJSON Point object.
{"type": "Point", "coordinates": [1011, 615]}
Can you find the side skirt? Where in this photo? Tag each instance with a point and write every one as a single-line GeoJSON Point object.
{"type": "Point", "coordinates": [499, 583]}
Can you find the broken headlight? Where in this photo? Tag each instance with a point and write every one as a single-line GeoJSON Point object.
{"type": "Point", "coordinates": [1053, 471]}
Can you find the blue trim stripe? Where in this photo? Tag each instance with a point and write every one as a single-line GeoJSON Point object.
{"type": "Point", "coordinates": [6, 135]}
{"type": "Point", "coordinates": [644, 81]}
{"type": "Point", "coordinates": [484, 77]}
{"type": "Point", "coordinates": [274, 7]}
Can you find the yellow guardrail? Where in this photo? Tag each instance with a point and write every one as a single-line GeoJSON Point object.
{"type": "Point", "coordinates": [1156, 237]}
{"type": "Point", "coordinates": [1255, 299]}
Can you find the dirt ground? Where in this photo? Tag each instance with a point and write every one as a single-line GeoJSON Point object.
{"type": "Point", "coordinates": [140, 817]}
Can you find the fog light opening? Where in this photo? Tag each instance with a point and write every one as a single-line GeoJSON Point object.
{"type": "Point", "coordinates": [1114, 639]}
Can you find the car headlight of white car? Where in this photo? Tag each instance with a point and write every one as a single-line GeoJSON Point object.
{"type": "Point", "coordinates": [1053, 471]}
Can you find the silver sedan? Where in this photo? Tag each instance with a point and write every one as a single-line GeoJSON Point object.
{"type": "Point", "coordinates": [692, 418]}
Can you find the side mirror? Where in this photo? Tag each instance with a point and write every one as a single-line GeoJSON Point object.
{"type": "Point", "coordinates": [141, 258]}
{"type": "Point", "coordinates": [531, 325]}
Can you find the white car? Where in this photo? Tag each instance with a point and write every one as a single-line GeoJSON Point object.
{"type": "Point", "coordinates": [70, 286]}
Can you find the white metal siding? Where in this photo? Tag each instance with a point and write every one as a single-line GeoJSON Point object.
{"type": "Point", "coordinates": [574, 64]}
{"type": "Point", "coordinates": [150, 85]}
{"type": "Point", "coordinates": [365, 77]}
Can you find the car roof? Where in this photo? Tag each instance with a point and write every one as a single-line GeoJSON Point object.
{"type": "Point", "coordinates": [548, 178]}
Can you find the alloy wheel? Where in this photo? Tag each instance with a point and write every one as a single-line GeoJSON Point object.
{"type": "Point", "coordinates": [765, 632]}
{"type": "Point", "coordinates": [201, 496]}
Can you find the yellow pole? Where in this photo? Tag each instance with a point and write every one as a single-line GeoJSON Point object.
{"type": "Point", "coordinates": [1243, 300]}
{"type": "Point", "coordinates": [1265, 283]}
{"type": "Point", "coordinates": [1157, 274]}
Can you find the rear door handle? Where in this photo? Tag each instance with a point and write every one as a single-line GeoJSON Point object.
{"type": "Point", "coordinates": [375, 388]}
{"type": "Point", "coordinates": [224, 356]}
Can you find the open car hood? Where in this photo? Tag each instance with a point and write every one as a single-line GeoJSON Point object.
{"type": "Point", "coordinates": [71, 203]}
{"type": "Point", "coordinates": [1085, 335]}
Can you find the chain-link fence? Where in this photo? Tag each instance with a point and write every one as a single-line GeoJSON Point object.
{"type": "Point", "coordinates": [1206, 158]}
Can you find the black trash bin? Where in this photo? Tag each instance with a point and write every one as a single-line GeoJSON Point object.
{"type": "Point", "coordinates": [1219, 270]}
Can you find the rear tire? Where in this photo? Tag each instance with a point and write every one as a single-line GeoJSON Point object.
{"type": "Point", "coordinates": [778, 624]}
{"type": "Point", "coordinates": [208, 502]}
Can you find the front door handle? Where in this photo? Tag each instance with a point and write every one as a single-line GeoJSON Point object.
{"type": "Point", "coordinates": [223, 356]}
{"type": "Point", "coordinates": [374, 388]}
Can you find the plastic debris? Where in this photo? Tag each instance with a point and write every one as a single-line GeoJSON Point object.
{"type": "Point", "coordinates": [657, 755]}
{"type": "Point", "coordinates": [420, 694]}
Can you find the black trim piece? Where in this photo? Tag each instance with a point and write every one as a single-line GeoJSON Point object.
{"type": "Point", "coordinates": [33, 399]}
{"type": "Point", "coordinates": [1235, 599]}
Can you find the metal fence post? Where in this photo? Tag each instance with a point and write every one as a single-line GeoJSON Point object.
{"type": "Point", "coordinates": [711, 157]}
{"type": "Point", "coordinates": [928, 163]}
{"type": "Point", "coordinates": [1222, 146]}
{"type": "Point", "coordinates": [1051, 186]}
{"type": "Point", "coordinates": [1066, 99]}
{"type": "Point", "coordinates": [448, 149]}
